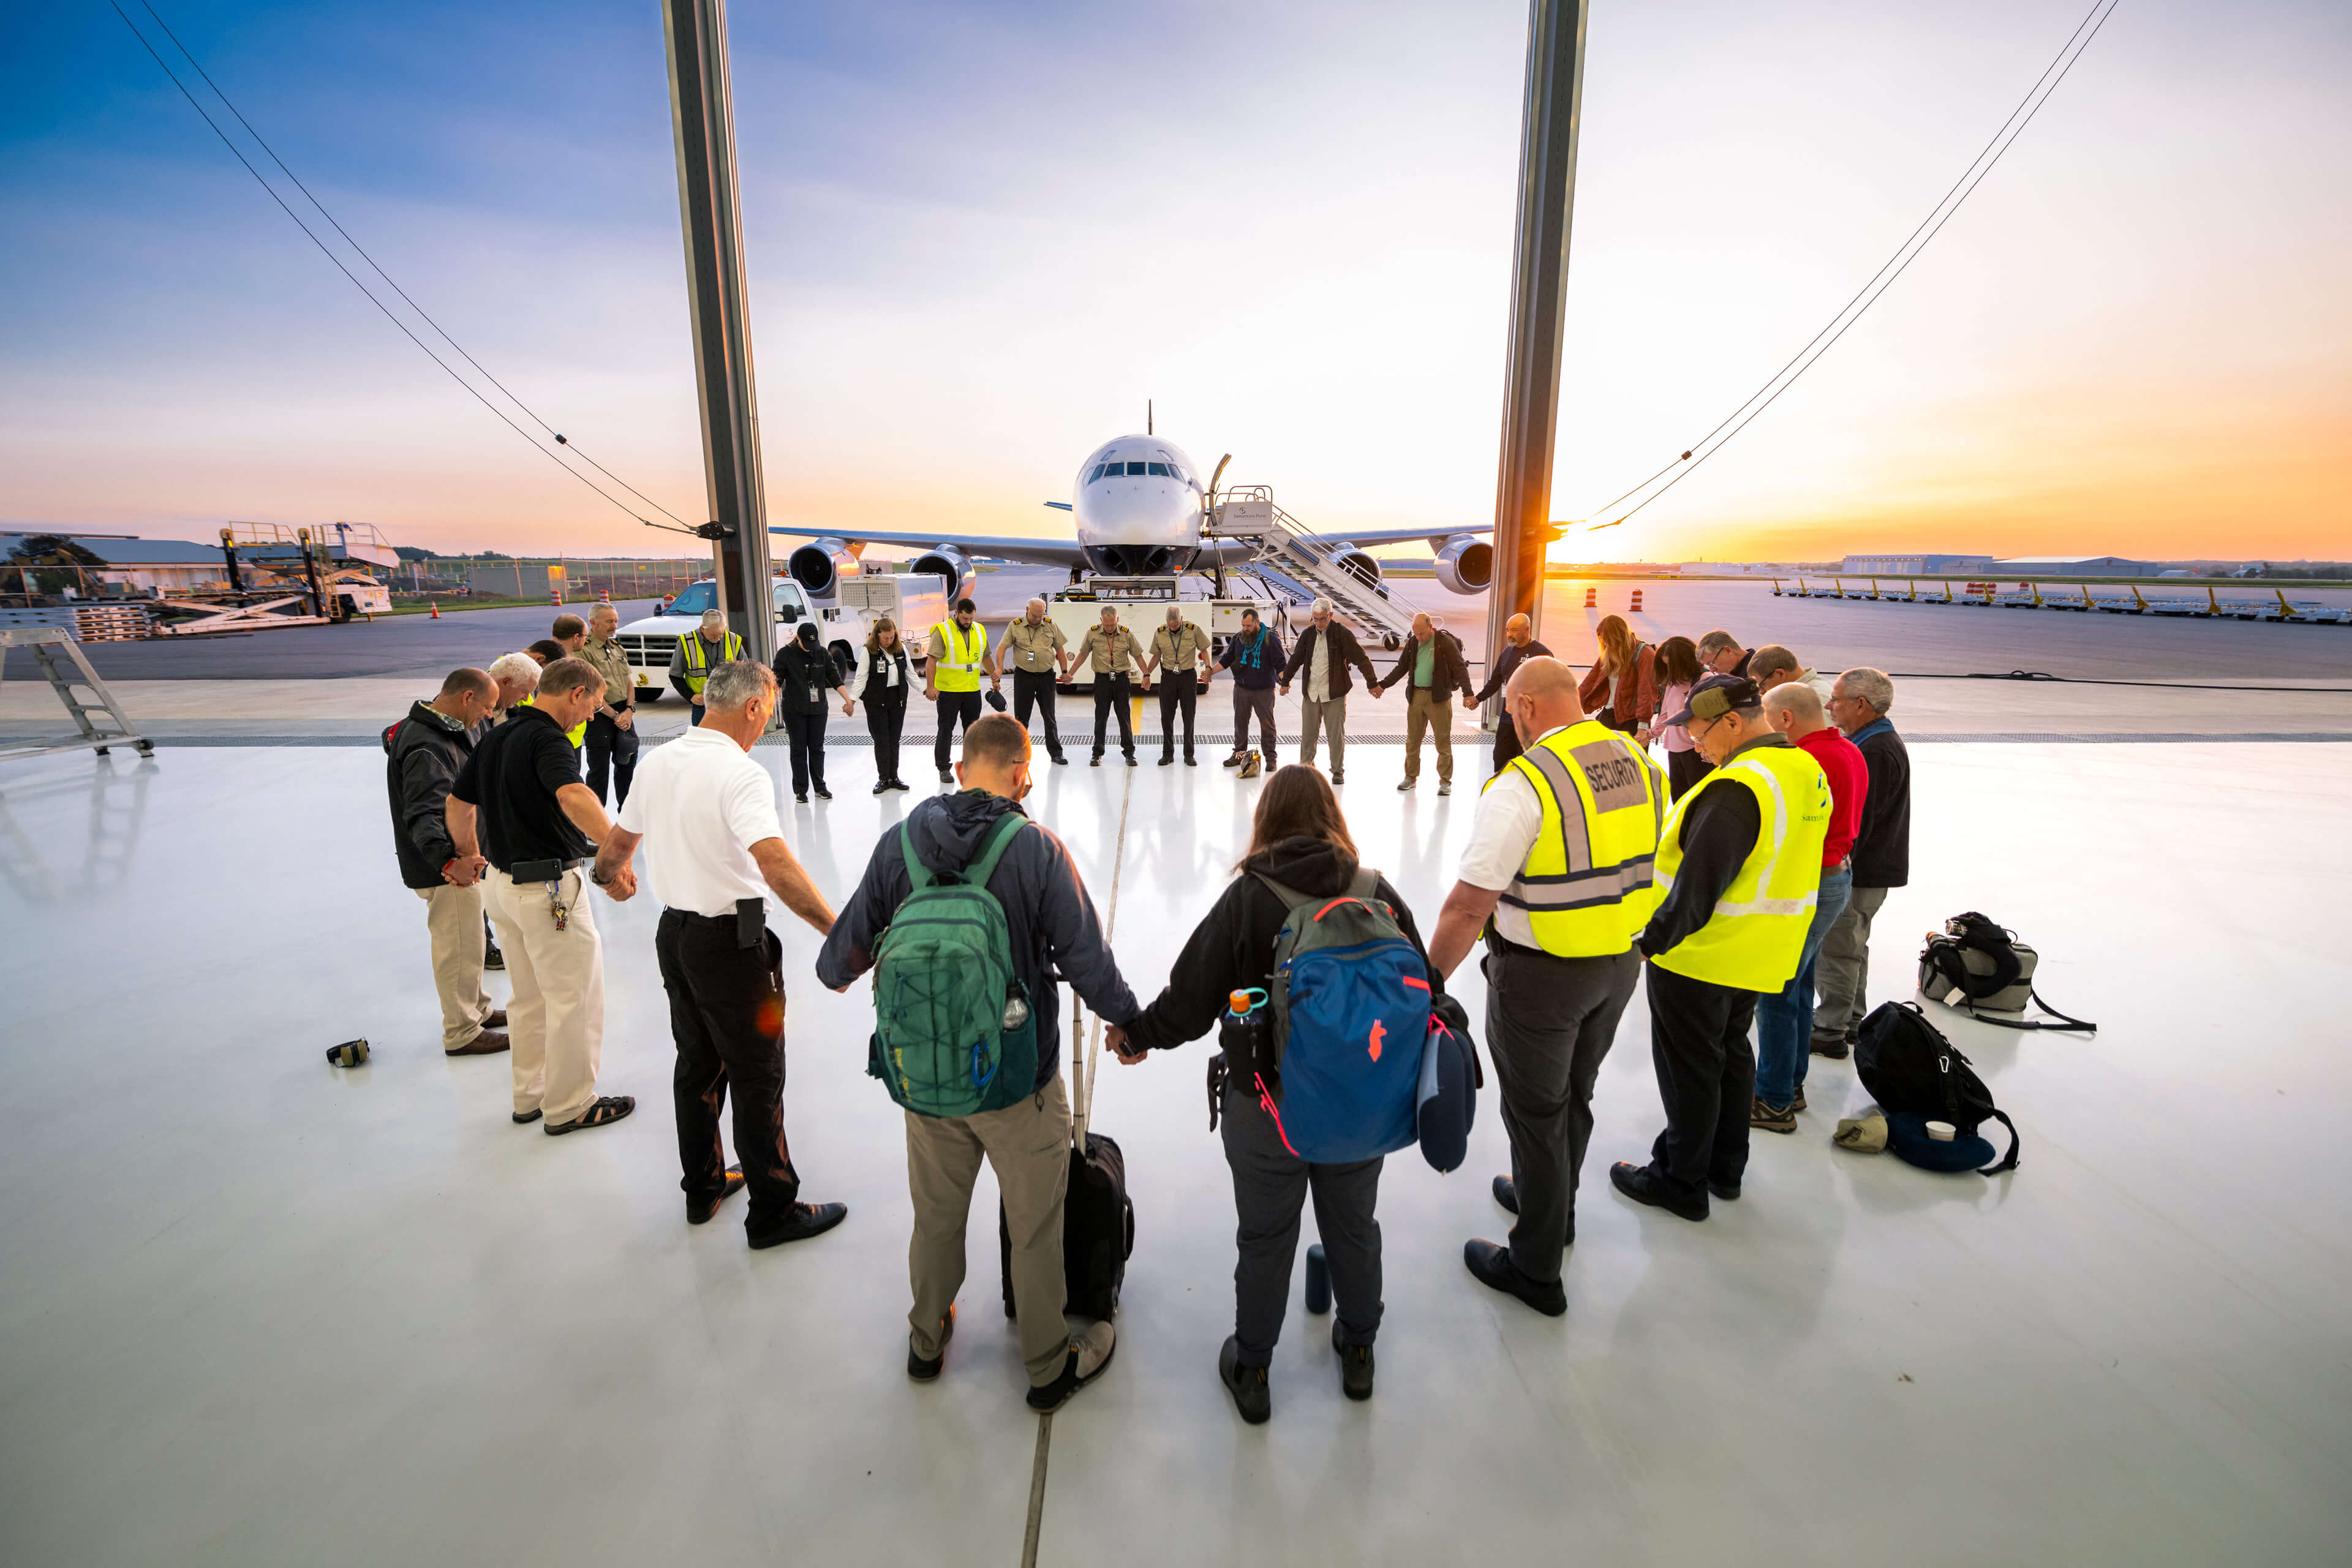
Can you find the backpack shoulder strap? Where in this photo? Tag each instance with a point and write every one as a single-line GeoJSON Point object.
{"type": "Point", "coordinates": [1367, 883]}
{"type": "Point", "coordinates": [2008, 1162]}
{"type": "Point", "coordinates": [1001, 836]}
{"type": "Point", "coordinates": [918, 874]}
{"type": "Point", "coordinates": [1291, 897]}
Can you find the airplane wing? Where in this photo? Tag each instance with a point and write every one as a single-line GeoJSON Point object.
{"type": "Point", "coordinates": [1435, 537]}
{"type": "Point", "coordinates": [1032, 551]}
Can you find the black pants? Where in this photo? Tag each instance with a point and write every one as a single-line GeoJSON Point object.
{"type": "Point", "coordinates": [1270, 1186]}
{"type": "Point", "coordinates": [1706, 1075]}
{"type": "Point", "coordinates": [1550, 1024]}
{"type": "Point", "coordinates": [612, 750]}
{"type": "Point", "coordinates": [806, 734]}
{"type": "Point", "coordinates": [1179, 694]}
{"type": "Point", "coordinates": [1506, 744]}
{"type": "Point", "coordinates": [1684, 769]}
{"type": "Point", "coordinates": [1035, 689]}
{"type": "Point", "coordinates": [952, 706]}
{"type": "Point", "coordinates": [726, 1015]}
{"type": "Point", "coordinates": [1111, 695]}
{"type": "Point", "coordinates": [884, 717]}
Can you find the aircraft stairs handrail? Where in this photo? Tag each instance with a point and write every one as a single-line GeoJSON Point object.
{"type": "Point", "coordinates": [1289, 550]}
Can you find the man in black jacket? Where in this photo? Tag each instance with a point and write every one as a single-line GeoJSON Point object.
{"type": "Point", "coordinates": [1882, 856]}
{"type": "Point", "coordinates": [1431, 669]}
{"type": "Point", "coordinates": [1519, 645]}
{"type": "Point", "coordinates": [424, 752]}
{"type": "Point", "coordinates": [1054, 935]}
{"type": "Point", "coordinates": [1325, 650]}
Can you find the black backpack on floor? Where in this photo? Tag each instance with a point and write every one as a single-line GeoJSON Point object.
{"type": "Point", "coordinates": [1980, 969]}
{"type": "Point", "coordinates": [1907, 1066]}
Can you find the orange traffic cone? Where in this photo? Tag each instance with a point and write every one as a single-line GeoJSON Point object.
{"type": "Point", "coordinates": [1592, 598]}
{"type": "Point", "coordinates": [436, 609]}
{"type": "Point", "coordinates": [604, 596]}
{"type": "Point", "coordinates": [1637, 601]}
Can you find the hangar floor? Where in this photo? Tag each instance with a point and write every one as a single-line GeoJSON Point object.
{"type": "Point", "coordinates": [259, 1311]}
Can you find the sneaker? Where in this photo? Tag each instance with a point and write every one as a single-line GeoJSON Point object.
{"type": "Point", "coordinates": [1355, 1366]}
{"type": "Point", "coordinates": [1247, 1384]}
{"type": "Point", "coordinates": [1404, 786]}
{"type": "Point", "coordinates": [1641, 1183]}
{"type": "Point", "coordinates": [800, 797]}
{"type": "Point", "coordinates": [1189, 761]}
{"type": "Point", "coordinates": [1768, 1119]}
{"type": "Point", "coordinates": [1095, 761]}
{"type": "Point", "coordinates": [900, 784]}
{"type": "Point", "coordinates": [800, 1222]}
{"type": "Point", "coordinates": [823, 793]}
{"type": "Point", "coordinates": [1236, 758]}
{"type": "Point", "coordinates": [946, 777]}
{"type": "Point", "coordinates": [1166, 761]}
{"type": "Point", "coordinates": [1060, 761]}
{"type": "Point", "coordinates": [492, 958]}
{"type": "Point", "coordinates": [1445, 786]}
{"type": "Point", "coordinates": [881, 785]}
{"type": "Point", "coordinates": [923, 1371]}
{"type": "Point", "coordinates": [1832, 1047]}
{"type": "Point", "coordinates": [1132, 762]}
{"type": "Point", "coordinates": [1798, 1104]}
{"type": "Point", "coordinates": [1492, 1267]}
{"type": "Point", "coordinates": [1339, 777]}
{"type": "Point", "coordinates": [1507, 1193]}
{"type": "Point", "coordinates": [1090, 1353]}
{"type": "Point", "coordinates": [701, 1211]}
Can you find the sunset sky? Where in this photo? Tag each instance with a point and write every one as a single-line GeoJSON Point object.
{"type": "Point", "coordinates": [981, 236]}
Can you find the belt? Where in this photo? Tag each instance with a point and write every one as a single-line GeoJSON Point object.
{"type": "Point", "coordinates": [747, 921]}
{"type": "Point", "coordinates": [537, 868]}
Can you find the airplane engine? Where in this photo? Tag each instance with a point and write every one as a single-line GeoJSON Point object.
{"type": "Point", "coordinates": [1466, 566]}
{"type": "Point", "coordinates": [821, 566]}
{"type": "Point", "coordinates": [1360, 565]}
{"type": "Point", "coordinates": [950, 565]}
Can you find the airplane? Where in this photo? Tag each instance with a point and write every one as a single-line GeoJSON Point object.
{"type": "Point", "coordinates": [1136, 506]}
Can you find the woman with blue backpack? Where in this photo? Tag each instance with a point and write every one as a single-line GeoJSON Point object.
{"type": "Point", "coordinates": [1311, 963]}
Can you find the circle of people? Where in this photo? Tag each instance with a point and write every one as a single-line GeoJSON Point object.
{"type": "Point", "coordinates": [1738, 885]}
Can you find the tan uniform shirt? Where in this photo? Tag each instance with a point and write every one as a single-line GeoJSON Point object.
{"type": "Point", "coordinates": [1033, 647]}
{"type": "Point", "coordinates": [613, 666]}
{"type": "Point", "coordinates": [1179, 652]}
{"type": "Point", "coordinates": [1117, 654]}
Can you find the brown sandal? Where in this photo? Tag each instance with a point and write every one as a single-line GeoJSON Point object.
{"type": "Point", "coordinates": [600, 1112]}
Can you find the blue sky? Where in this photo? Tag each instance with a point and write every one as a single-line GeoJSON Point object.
{"type": "Point", "coordinates": [980, 237]}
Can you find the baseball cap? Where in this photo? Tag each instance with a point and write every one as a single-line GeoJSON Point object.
{"type": "Point", "coordinates": [1719, 695]}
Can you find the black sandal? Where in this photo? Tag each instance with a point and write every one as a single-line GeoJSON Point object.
{"type": "Point", "coordinates": [600, 1112]}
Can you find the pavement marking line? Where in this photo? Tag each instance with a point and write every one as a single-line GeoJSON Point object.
{"type": "Point", "coordinates": [1045, 1421]}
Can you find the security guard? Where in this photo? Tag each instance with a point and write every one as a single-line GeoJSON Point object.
{"type": "Point", "coordinates": [952, 678]}
{"type": "Point", "coordinates": [1033, 647]}
{"type": "Point", "coordinates": [1740, 864]}
{"type": "Point", "coordinates": [1115, 657]}
{"type": "Point", "coordinates": [1180, 657]}
{"type": "Point", "coordinates": [1558, 875]}
{"type": "Point", "coordinates": [697, 656]}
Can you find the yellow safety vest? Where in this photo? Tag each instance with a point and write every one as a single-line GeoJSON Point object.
{"type": "Point", "coordinates": [577, 734]}
{"type": "Point", "coordinates": [698, 657]}
{"type": "Point", "coordinates": [1757, 934]}
{"type": "Point", "coordinates": [1586, 885]}
{"type": "Point", "coordinates": [955, 657]}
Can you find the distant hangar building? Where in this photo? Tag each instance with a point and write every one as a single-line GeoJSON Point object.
{"type": "Point", "coordinates": [2076, 566]}
{"type": "Point", "coordinates": [1913, 565]}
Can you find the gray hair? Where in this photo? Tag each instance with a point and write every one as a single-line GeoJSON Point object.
{"type": "Point", "coordinates": [1320, 607]}
{"type": "Point", "coordinates": [604, 610]}
{"type": "Point", "coordinates": [737, 684]}
{"type": "Point", "coordinates": [519, 668]}
{"type": "Point", "coordinates": [1712, 645]}
{"type": "Point", "coordinates": [714, 617]}
{"type": "Point", "coordinates": [1035, 604]}
{"type": "Point", "coordinates": [1871, 686]}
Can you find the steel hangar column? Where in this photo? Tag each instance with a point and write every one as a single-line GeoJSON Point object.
{"type": "Point", "coordinates": [1555, 101]}
{"type": "Point", "coordinates": [702, 112]}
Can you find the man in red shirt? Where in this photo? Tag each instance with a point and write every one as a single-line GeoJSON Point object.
{"type": "Point", "coordinates": [1784, 1020]}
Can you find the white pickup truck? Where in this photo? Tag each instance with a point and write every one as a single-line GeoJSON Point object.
{"type": "Point", "coordinates": [915, 602]}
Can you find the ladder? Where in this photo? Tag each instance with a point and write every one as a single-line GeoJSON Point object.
{"type": "Point", "coordinates": [1300, 564]}
{"type": "Point", "coordinates": [42, 642]}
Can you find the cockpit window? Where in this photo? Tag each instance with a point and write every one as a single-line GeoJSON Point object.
{"type": "Point", "coordinates": [1136, 471]}
{"type": "Point", "coordinates": [1097, 474]}
{"type": "Point", "coordinates": [1159, 468]}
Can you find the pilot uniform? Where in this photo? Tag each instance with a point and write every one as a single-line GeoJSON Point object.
{"type": "Point", "coordinates": [1113, 658]}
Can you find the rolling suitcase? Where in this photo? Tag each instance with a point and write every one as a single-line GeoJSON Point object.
{"type": "Point", "coordinates": [1097, 1217]}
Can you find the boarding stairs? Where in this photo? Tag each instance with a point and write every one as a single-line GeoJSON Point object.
{"type": "Point", "coordinates": [100, 722]}
{"type": "Point", "coordinates": [1299, 564]}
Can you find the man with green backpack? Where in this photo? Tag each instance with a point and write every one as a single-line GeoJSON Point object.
{"type": "Point", "coordinates": [968, 914]}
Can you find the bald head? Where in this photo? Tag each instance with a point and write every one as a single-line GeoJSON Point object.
{"type": "Point", "coordinates": [1541, 696]}
{"type": "Point", "coordinates": [1518, 629]}
{"type": "Point", "coordinates": [1795, 709]}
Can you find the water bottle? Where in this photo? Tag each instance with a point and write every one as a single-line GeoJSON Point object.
{"type": "Point", "coordinates": [1242, 1034]}
{"type": "Point", "coordinates": [1016, 1006]}
{"type": "Point", "coordinates": [1318, 1280]}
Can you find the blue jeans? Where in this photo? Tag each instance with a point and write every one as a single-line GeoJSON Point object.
{"type": "Point", "coordinates": [1784, 1020]}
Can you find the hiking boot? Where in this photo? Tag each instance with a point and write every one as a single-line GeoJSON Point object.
{"type": "Point", "coordinates": [923, 1371]}
{"type": "Point", "coordinates": [799, 1223]}
{"type": "Point", "coordinates": [1247, 1384]}
{"type": "Point", "coordinates": [1090, 1353]}
{"type": "Point", "coordinates": [1833, 1047]}
{"type": "Point", "coordinates": [1492, 1267]}
{"type": "Point", "coordinates": [1236, 758]}
{"type": "Point", "coordinates": [1507, 1193]}
{"type": "Point", "coordinates": [1338, 775]}
{"type": "Point", "coordinates": [1798, 1104]}
{"type": "Point", "coordinates": [1641, 1183]}
{"type": "Point", "coordinates": [699, 1211]}
{"type": "Point", "coordinates": [1768, 1119]}
{"type": "Point", "coordinates": [1355, 1366]}
{"type": "Point", "coordinates": [946, 777]}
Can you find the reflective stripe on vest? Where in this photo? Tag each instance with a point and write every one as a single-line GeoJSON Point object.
{"type": "Point", "coordinates": [1756, 934]}
{"type": "Point", "coordinates": [577, 734]}
{"type": "Point", "coordinates": [959, 670]}
{"type": "Point", "coordinates": [1586, 885]}
{"type": "Point", "coordinates": [697, 656]}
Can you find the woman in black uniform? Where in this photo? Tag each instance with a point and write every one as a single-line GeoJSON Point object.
{"type": "Point", "coordinates": [804, 673]}
{"type": "Point", "coordinates": [883, 677]}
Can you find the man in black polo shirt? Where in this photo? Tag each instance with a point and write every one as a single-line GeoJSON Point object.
{"type": "Point", "coordinates": [520, 802]}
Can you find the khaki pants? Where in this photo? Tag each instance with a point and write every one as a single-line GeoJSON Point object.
{"type": "Point", "coordinates": [453, 916]}
{"type": "Point", "coordinates": [1424, 709]}
{"type": "Point", "coordinates": [556, 1019]}
{"type": "Point", "coordinates": [1028, 1145]}
{"type": "Point", "coordinates": [1331, 716]}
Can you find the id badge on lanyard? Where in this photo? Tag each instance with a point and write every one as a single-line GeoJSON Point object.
{"type": "Point", "coordinates": [813, 694]}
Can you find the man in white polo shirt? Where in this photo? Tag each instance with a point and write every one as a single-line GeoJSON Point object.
{"type": "Point", "coordinates": [707, 815]}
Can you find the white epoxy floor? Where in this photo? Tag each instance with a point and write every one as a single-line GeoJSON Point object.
{"type": "Point", "coordinates": [256, 1310]}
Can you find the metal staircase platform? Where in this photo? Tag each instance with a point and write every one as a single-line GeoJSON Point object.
{"type": "Point", "coordinates": [1299, 563]}
{"type": "Point", "coordinates": [43, 642]}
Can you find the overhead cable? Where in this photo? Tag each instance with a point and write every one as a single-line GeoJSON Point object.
{"type": "Point", "coordinates": [389, 313]}
{"type": "Point", "coordinates": [1896, 265]}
